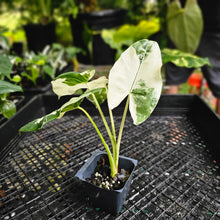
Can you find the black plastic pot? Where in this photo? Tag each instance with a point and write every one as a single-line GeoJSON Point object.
{"type": "Point", "coordinates": [80, 38]}
{"type": "Point", "coordinates": [108, 200]}
{"type": "Point", "coordinates": [17, 49]}
{"type": "Point", "coordinates": [106, 18]}
{"type": "Point", "coordinates": [38, 35]}
{"type": "Point", "coordinates": [102, 53]}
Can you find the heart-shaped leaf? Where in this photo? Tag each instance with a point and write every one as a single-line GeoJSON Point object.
{"type": "Point", "coordinates": [137, 74]}
{"type": "Point", "coordinates": [185, 25]}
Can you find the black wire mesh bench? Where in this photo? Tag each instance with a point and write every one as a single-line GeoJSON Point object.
{"type": "Point", "coordinates": [177, 177]}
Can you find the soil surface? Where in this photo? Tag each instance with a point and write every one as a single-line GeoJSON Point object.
{"type": "Point", "coordinates": [102, 176]}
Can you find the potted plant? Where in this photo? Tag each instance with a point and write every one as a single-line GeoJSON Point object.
{"type": "Point", "coordinates": [135, 75]}
{"type": "Point", "coordinates": [35, 71]}
{"type": "Point", "coordinates": [39, 27]}
{"type": "Point", "coordinates": [88, 19]}
{"type": "Point", "coordinates": [7, 103]}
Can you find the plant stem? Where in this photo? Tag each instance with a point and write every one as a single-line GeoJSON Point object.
{"type": "Point", "coordinates": [111, 161]}
{"type": "Point", "coordinates": [75, 64]}
{"type": "Point", "coordinates": [113, 127]}
{"type": "Point", "coordinates": [111, 137]}
{"type": "Point", "coordinates": [120, 133]}
{"type": "Point", "coordinates": [111, 117]}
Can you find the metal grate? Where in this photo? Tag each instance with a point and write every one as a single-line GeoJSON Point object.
{"type": "Point", "coordinates": [176, 177]}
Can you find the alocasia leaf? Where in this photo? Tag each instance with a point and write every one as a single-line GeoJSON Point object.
{"type": "Point", "coordinates": [182, 59]}
{"type": "Point", "coordinates": [185, 25]}
{"type": "Point", "coordinates": [72, 104]}
{"type": "Point", "coordinates": [37, 124]}
{"type": "Point", "coordinates": [137, 74]}
{"type": "Point", "coordinates": [69, 83]}
{"type": "Point", "coordinates": [146, 28]}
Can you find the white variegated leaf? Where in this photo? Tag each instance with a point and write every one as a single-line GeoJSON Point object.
{"type": "Point", "coordinates": [137, 73]}
{"type": "Point", "coordinates": [70, 83]}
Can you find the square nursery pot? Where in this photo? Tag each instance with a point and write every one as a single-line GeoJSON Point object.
{"type": "Point", "coordinates": [108, 200]}
{"type": "Point", "coordinates": [38, 35]}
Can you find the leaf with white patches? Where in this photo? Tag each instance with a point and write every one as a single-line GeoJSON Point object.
{"type": "Point", "coordinates": [137, 74]}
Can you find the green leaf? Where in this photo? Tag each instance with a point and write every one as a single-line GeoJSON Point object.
{"type": "Point", "coordinates": [74, 78]}
{"type": "Point", "coordinates": [5, 66]}
{"type": "Point", "coordinates": [49, 71]}
{"type": "Point", "coordinates": [185, 25]}
{"type": "Point", "coordinates": [146, 28]}
{"type": "Point", "coordinates": [129, 33]}
{"type": "Point", "coordinates": [108, 37]}
{"type": "Point", "coordinates": [72, 51]}
{"type": "Point", "coordinates": [7, 108]}
{"type": "Point", "coordinates": [182, 59]}
{"type": "Point", "coordinates": [16, 78]}
{"type": "Point", "coordinates": [72, 104]}
{"type": "Point", "coordinates": [7, 87]}
{"type": "Point", "coordinates": [34, 74]}
{"type": "Point", "coordinates": [137, 73]}
{"type": "Point", "coordinates": [125, 34]}
{"type": "Point", "coordinates": [37, 124]}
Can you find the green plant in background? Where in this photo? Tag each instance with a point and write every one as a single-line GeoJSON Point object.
{"type": "Point", "coordinates": [127, 34]}
{"type": "Point", "coordinates": [38, 11]}
{"type": "Point", "coordinates": [85, 6]}
{"type": "Point", "coordinates": [183, 59]}
{"type": "Point", "coordinates": [59, 56]}
{"type": "Point", "coordinates": [189, 19]}
{"type": "Point", "coordinates": [111, 4]}
{"type": "Point", "coordinates": [135, 75]}
{"type": "Point", "coordinates": [136, 11]}
{"type": "Point", "coordinates": [36, 67]}
{"type": "Point", "coordinates": [4, 43]}
{"type": "Point", "coordinates": [49, 62]}
{"type": "Point", "coordinates": [32, 11]}
{"type": "Point", "coordinates": [7, 107]}
{"type": "Point", "coordinates": [185, 25]}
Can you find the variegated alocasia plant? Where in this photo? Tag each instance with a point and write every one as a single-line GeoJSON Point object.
{"type": "Point", "coordinates": [136, 75]}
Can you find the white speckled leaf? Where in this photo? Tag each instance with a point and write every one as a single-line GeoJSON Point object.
{"type": "Point", "coordinates": [137, 73]}
{"type": "Point", "coordinates": [69, 83]}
